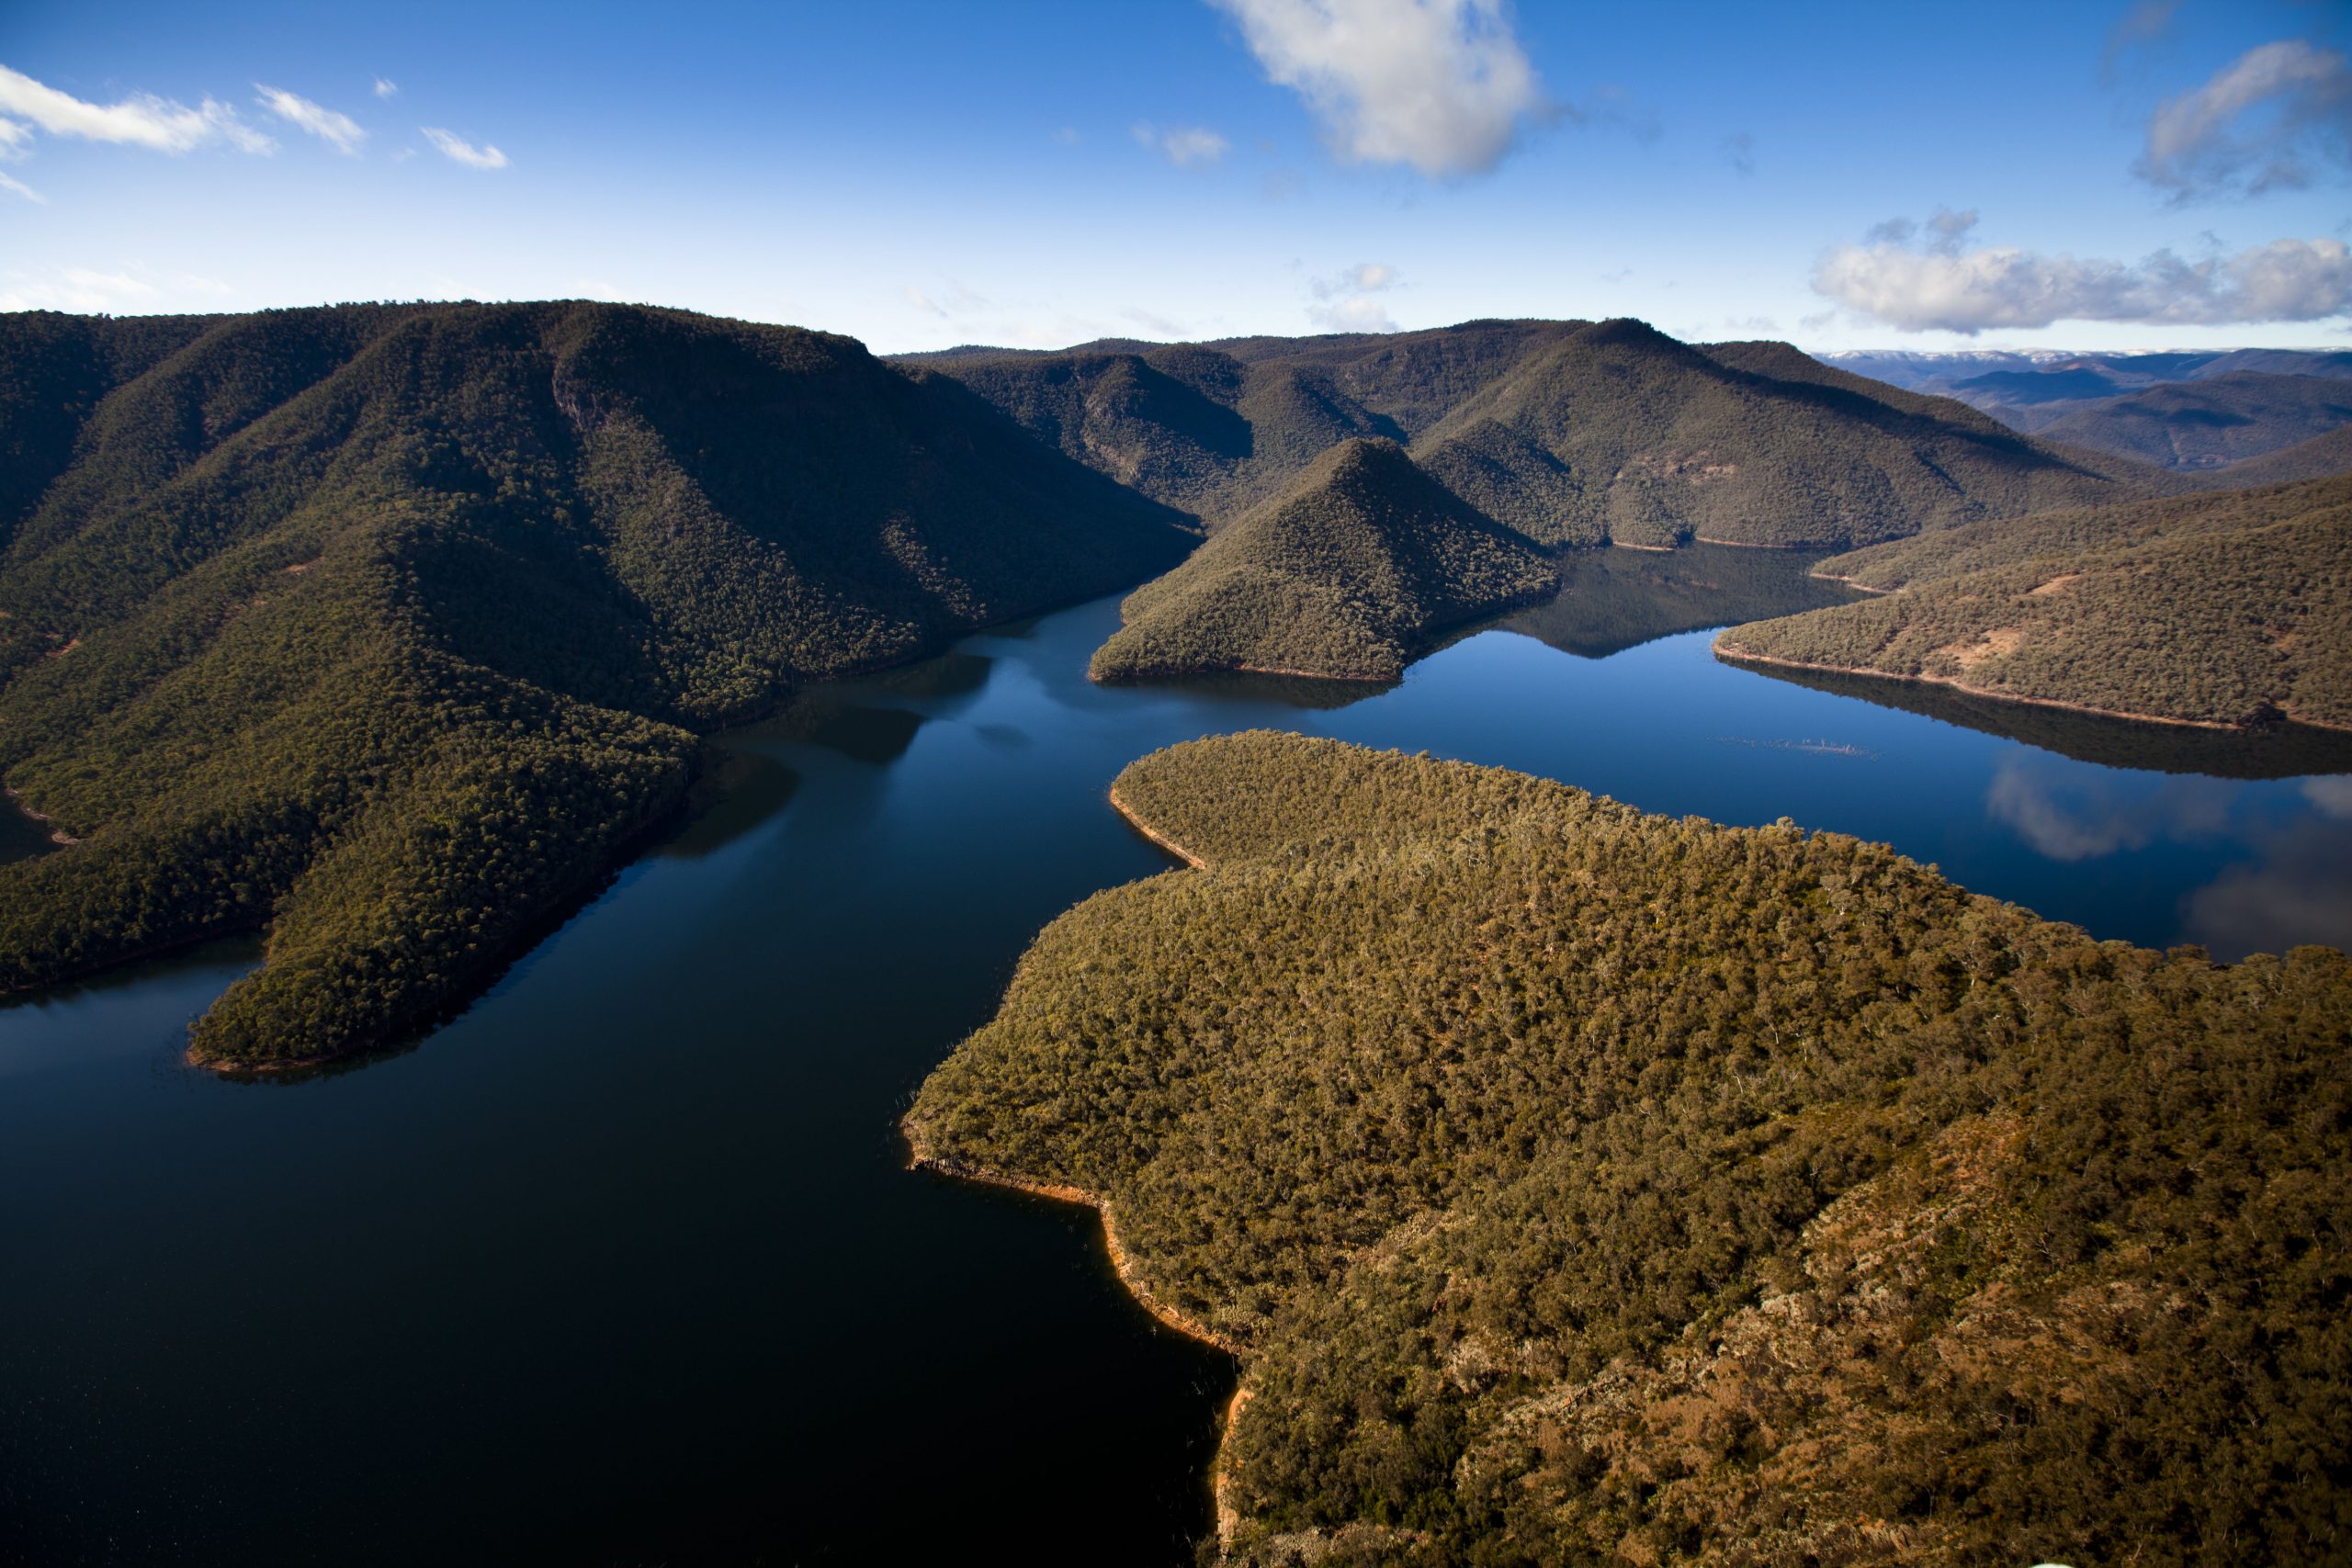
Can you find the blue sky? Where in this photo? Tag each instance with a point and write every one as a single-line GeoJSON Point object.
{"type": "Point", "coordinates": [920, 175]}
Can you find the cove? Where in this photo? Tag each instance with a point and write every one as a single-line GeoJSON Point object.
{"type": "Point", "coordinates": [622, 1265]}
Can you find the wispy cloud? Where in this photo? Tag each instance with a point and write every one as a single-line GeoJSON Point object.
{"type": "Point", "coordinates": [1182, 145]}
{"type": "Point", "coordinates": [452, 146]}
{"type": "Point", "coordinates": [132, 287]}
{"type": "Point", "coordinates": [2136, 29]}
{"type": "Point", "coordinates": [339, 130]}
{"type": "Point", "coordinates": [953, 302]}
{"type": "Point", "coordinates": [141, 120]}
{"type": "Point", "coordinates": [387, 88]}
{"type": "Point", "coordinates": [1345, 302]}
{"type": "Point", "coordinates": [19, 188]}
{"type": "Point", "coordinates": [1941, 286]}
{"type": "Point", "coordinates": [1441, 85]}
{"type": "Point", "coordinates": [2266, 121]}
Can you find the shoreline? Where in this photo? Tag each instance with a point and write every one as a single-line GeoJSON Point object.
{"type": "Point", "coordinates": [1732, 654]}
{"type": "Point", "coordinates": [1228, 1518]}
{"type": "Point", "coordinates": [58, 836]}
{"type": "Point", "coordinates": [1851, 582]}
{"type": "Point", "coordinates": [1149, 831]}
{"type": "Point", "coordinates": [919, 1157]}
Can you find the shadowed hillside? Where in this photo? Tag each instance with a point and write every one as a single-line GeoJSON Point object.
{"type": "Point", "coordinates": [1347, 573]}
{"type": "Point", "coordinates": [1570, 432]}
{"type": "Point", "coordinates": [1581, 1185]}
{"type": "Point", "coordinates": [2208, 424]}
{"type": "Point", "coordinates": [390, 625]}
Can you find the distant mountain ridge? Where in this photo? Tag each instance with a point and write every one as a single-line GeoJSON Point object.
{"type": "Point", "coordinates": [2180, 411]}
{"type": "Point", "coordinates": [1571, 433]}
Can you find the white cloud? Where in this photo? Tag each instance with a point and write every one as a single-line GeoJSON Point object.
{"type": "Point", "coordinates": [954, 300]}
{"type": "Point", "coordinates": [1183, 146]}
{"type": "Point", "coordinates": [1353, 314]}
{"type": "Point", "coordinates": [340, 131]}
{"type": "Point", "coordinates": [72, 288]}
{"type": "Point", "coordinates": [2259, 125]}
{"type": "Point", "coordinates": [1365, 278]}
{"type": "Point", "coordinates": [1345, 303]}
{"type": "Point", "coordinates": [1943, 288]}
{"type": "Point", "coordinates": [142, 120]}
{"type": "Point", "coordinates": [16, 139]}
{"type": "Point", "coordinates": [482, 157]}
{"type": "Point", "coordinates": [1439, 85]}
{"type": "Point", "coordinates": [18, 188]}
{"type": "Point", "coordinates": [386, 88]}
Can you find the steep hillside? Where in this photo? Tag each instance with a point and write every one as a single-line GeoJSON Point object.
{"type": "Point", "coordinates": [1579, 1185]}
{"type": "Point", "coordinates": [2315, 458]}
{"type": "Point", "coordinates": [1347, 573]}
{"type": "Point", "coordinates": [1571, 433]}
{"type": "Point", "coordinates": [2010, 541]}
{"type": "Point", "coordinates": [2208, 423]}
{"type": "Point", "coordinates": [389, 626]}
{"type": "Point", "coordinates": [1647, 441]}
{"type": "Point", "coordinates": [2229, 609]}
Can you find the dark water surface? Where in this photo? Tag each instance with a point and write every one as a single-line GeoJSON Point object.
{"type": "Point", "coordinates": [621, 1265]}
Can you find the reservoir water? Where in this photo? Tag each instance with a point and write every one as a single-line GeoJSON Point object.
{"type": "Point", "coordinates": [622, 1265]}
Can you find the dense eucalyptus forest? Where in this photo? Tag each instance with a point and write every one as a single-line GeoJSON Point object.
{"type": "Point", "coordinates": [393, 626]}
{"type": "Point", "coordinates": [1583, 1185]}
{"type": "Point", "coordinates": [1348, 573]}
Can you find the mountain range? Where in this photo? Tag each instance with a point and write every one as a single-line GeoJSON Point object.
{"type": "Point", "coordinates": [389, 627]}
{"type": "Point", "coordinates": [2182, 411]}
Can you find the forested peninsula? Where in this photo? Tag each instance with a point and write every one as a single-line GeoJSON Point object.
{"type": "Point", "coordinates": [1579, 1184]}
{"type": "Point", "coordinates": [391, 626]}
{"type": "Point", "coordinates": [2229, 609]}
{"type": "Point", "coordinates": [1349, 573]}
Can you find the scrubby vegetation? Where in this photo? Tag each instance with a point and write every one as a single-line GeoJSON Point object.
{"type": "Point", "coordinates": [1347, 573]}
{"type": "Point", "coordinates": [2315, 458]}
{"type": "Point", "coordinates": [2209, 422]}
{"type": "Point", "coordinates": [2231, 608]}
{"type": "Point", "coordinates": [1570, 432]}
{"type": "Point", "coordinates": [390, 626]}
{"type": "Point", "coordinates": [1589, 1186]}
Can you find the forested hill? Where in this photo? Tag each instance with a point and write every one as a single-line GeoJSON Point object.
{"type": "Point", "coordinates": [1349, 572]}
{"type": "Point", "coordinates": [389, 624]}
{"type": "Point", "coordinates": [1586, 1186]}
{"type": "Point", "coordinates": [2231, 608]}
{"type": "Point", "coordinates": [1572, 432]}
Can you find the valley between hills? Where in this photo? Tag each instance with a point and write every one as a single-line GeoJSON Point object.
{"type": "Point", "coordinates": [1569, 1182]}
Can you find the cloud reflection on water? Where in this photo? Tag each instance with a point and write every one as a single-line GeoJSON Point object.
{"type": "Point", "coordinates": [2073, 813]}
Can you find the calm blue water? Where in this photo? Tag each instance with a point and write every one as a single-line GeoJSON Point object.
{"type": "Point", "coordinates": [622, 1267]}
